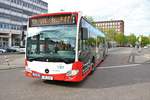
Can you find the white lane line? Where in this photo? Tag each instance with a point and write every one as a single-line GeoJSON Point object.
{"type": "Point", "coordinates": [120, 66]}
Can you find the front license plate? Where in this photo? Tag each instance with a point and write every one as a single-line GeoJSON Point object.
{"type": "Point", "coordinates": [47, 77]}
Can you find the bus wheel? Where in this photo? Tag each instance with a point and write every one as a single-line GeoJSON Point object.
{"type": "Point", "coordinates": [93, 63]}
{"type": "Point", "coordinates": [104, 55]}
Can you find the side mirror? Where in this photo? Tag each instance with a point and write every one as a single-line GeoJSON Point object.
{"type": "Point", "coordinates": [84, 33]}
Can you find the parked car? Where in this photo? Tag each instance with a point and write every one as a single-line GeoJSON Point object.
{"type": "Point", "coordinates": [2, 50]}
{"type": "Point", "coordinates": [10, 50]}
{"type": "Point", "coordinates": [145, 47]}
{"type": "Point", "coordinates": [19, 49]}
{"type": "Point", "coordinates": [15, 48]}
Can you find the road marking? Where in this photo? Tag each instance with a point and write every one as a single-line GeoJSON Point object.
{"type": "Point", "coordinates": [120, 66]}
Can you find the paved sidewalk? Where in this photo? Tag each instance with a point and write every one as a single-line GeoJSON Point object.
{"type": "Point", "coordinates": [10, 63]}
{"type": "Point", "coordinates": [138, 56]}
{"type": "Point", "coordinates": [113, 49]}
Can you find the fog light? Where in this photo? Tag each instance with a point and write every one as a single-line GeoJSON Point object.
{"type": "Point", "coordinates": [72, 72]}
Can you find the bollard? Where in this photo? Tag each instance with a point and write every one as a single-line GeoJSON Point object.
{"type": "Point", "coordinates": [7, 60]}
{"type": "Point", "coordinates": [133, 58]}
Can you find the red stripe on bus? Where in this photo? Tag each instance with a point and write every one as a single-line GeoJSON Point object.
{"type": "Point", "coordinates": [52, 14]}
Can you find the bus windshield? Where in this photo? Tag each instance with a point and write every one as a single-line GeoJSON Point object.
{"type": "Point", "coordinates": [51, 43]}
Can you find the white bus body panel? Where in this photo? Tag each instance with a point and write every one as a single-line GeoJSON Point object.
{"type": "Point", "coordinates": [54, 68]}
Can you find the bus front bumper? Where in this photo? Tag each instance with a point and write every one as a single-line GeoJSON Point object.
{"type": "Point", "coordinates": [59, 77]}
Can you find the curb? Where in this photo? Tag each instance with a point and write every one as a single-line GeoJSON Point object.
{"type": "Point", "coordinates": [10, 68]}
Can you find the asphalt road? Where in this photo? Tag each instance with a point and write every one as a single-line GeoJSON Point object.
{"type": "Point", "coordinates": [114, 79]}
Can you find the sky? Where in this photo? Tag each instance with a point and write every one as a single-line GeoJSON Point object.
{"type": "Point", "coordinates": [135, 13]}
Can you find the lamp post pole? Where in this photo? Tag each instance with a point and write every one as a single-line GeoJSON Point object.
{"type": "Point", "coordinates": [140, 40]}
{"type": "Point", "coordinates": [22, 30]}
{"type": "Point", "coordinates": [10, 33]}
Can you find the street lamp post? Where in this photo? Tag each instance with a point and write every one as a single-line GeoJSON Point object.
{"type": "Point", "coordinates": [10, 34]}
{"type": "Point", "coordinates": [140, 40]}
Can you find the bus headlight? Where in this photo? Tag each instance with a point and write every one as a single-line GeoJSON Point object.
{"type": "Point", "coordinates": [72, 72]}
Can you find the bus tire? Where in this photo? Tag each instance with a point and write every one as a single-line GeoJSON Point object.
{"type": "Point", "coordinates": [104, 55]}
{"type": "Point", "coordinates": [93, 67]}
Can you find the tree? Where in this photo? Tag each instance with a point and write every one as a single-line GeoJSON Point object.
{"type": "Point", "coordinates": [132, 39]}
{"type": "Point", "coordinates": [120, 39]}
{"type": "Point", "coordinates": [125, 40]}
{"type": "Point", "coordinates": [145, 40]}
{"type": "Point", "coordinates": [91, 20]}
{"type": "Point", "coordinates": [110, 34]}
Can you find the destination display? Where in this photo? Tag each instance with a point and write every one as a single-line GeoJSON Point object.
{"type": "Point", "coordinates": [52, 20]}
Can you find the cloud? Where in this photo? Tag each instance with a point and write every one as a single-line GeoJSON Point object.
{"type": "Point", "coordinates": [135, 13]}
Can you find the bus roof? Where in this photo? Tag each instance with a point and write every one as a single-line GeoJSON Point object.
{"type": "Point", "coordinates": [51, 14]}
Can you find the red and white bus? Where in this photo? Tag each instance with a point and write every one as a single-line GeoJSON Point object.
{"type": "Point", "coordinates": [63, 46]}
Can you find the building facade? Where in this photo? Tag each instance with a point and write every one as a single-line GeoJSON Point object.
{"type": "Point", "coordinates": [117, 25]}
{"type": "Point", "coordinates": [13, 18]}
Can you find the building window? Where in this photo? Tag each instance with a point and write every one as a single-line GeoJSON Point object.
{"type": "Point", "coordinates": [0, 25]}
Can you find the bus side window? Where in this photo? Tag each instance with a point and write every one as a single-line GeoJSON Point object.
{"type": "Point", "coordinates": [84, 33]}
{"type": "Point", "coordinates": [83, 37]}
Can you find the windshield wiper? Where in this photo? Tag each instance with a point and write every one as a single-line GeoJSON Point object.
{"type": "Point", "coordinates": [36, 59]}
{"type": "Point", "coordinates": [59, 59]}
{"type": "Point", "coordinates": [67, 60]}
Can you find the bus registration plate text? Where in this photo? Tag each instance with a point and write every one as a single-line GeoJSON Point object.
{"type": "Point", "coordinates": [47, 77]}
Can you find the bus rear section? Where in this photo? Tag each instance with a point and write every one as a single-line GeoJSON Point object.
{"type": "Point", "coordinates": [55, 50]}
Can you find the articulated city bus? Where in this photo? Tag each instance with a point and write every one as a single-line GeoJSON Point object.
{"type": "Point", "coordinates": [63, 46]}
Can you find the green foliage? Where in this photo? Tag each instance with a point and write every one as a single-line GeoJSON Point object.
{"type": "Point", "coordinates": [125, 39]}
{"type": "Point", "coordinates": [120, 39]}
{"type": "Point", "coordinates": [91, 20]}
{"type": "Point", "coordinates": [91, 41]}
{"type": "Point", "coordinates": [100, 40]}
{"type": "Point", "coordinates": [132, 39]}
{"type": "Point", "coordinates": [145, 40]}
{"type": "Point", "coordinates": [110, 34]}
